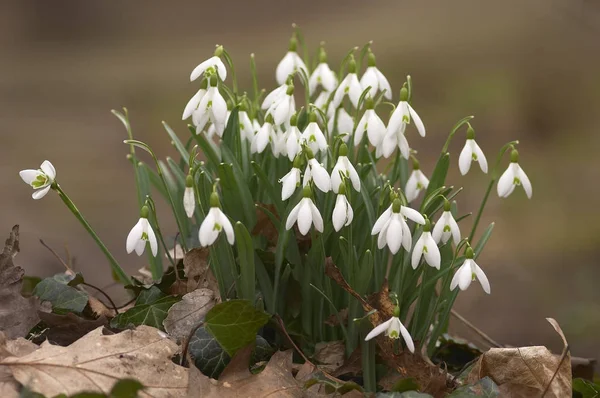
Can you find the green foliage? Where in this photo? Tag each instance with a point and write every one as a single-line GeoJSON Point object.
{"type": "Point", "coordinates": [151, 308]}
{"type": "Point", "coordinates": [63, 297]}
{"type": "Point", "coordinates": [585, 389]}
{"type": "Point", "coordinates": [482, 388]}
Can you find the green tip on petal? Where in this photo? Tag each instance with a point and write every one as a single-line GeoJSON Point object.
{"type": "Point", "coordinates": [470, 133]}
{"type": "Point", "coordinates": [144, 212]}
{"type": "Point", "coordinates": [293, 43]}
{"type": "Point", "coordinates": [397, 312]}
{"type": "Point", "coordinates": [447, 205]}
{"type": "Point", "coordinates": [294, 119]}
{"type": "Point", "coordinates": [403, 94]}
{"type": "Point", "coordinates": [322, 56]}
{"type": "Point", "coordinates": [469, 253]}
{"type": "Point", "coordinates": [352, 65]}
{"type": "Point", "coordinates": [343, 151]}
{"type": "Point", "coordinates": [213, 81]}
{"type": "Point", "coordinates": [396, 205]}
{"type": "Point", "coordinates": [214, 200]}
{"type": "Point", "coordinates": [369, 103]}
{"type": "Point", "coordinates": [189, 181]}
{"type": "Point", "coordinates": [514, 156]}
{"type": "Point", "coordinates": [306, 192]}
{"type": "Point", "coordinates": [371, 59]}
{"type": "Point", "coordinates": [218, 51]}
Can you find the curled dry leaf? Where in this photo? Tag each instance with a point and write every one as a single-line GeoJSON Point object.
{"type": "Point", "coordinates": [17, 313]}
{"type": "Point", "coordinates": [66, 329]}
{"type": "Point", "coordinates": [527, 371]}
{"type": "Point", "coordinates": [95, 362]}
{"type": "Point", "coordinates": [9, 387]}
{"type": "Point", "coordinates": [330, 355]}
{"type": "Point", "coordinates": [186, 314]}
{"type": "Point", "coordinates": [198, 272]}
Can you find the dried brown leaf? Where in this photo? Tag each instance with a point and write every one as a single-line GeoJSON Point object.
{"type": "Point", "coordinates": [17, 313]}
{"type": "Point", "coordinates": [198, 272]}
{"type": "Point", "coordinates": [330, 355]}
{"type": "Point", "coordinates": [527, 371]}
{"type": "Point", "coordinates": [66, 329]}
{"type": "Point", "coordinates": [95, 362]}
{"type": "Point", "coordinates": [189, 312]}
{"type": "Point", "coordinates": [9, 387]}
{"type": "Point", "coordinates": [275, 380]}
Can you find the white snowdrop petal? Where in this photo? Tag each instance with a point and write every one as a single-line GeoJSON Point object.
{"type": "Point", "coordinates": [293, 216]}
{"type": "Point", "coordinates": [227, 227]}
{"type": "Point", "coordinates": [134, 236]}
{"type": "Point", "coordinates": [304, 217]}
{"type": "Point", "coordinates": [407, 338]}
{"type": "Point", "coordinates": [505, 183]}
{"type": "Point", "coordinates": [29, 176]}
{"type": "Point", "coordinates": [48, 169]}
{"type": "Point", "coordinates": [377, 330]}
{"type": "Point", "coordinates": [465, 277]}
{"type": "Point", "coordinates": [417, 253]}
{"type": "Point", "coordinates": [152, 240]}
{"type": "Point", "coordinates": [432, 256]}
{"type": "Point", "coordinates": [525, 182]}
{"type": "Point", "coordinates": [40, 193]}
{"type": "Point", "coordinates": [417, 120]}
{"type": "Point", "coordinates": [482, 278]}
{"type": "Point", "coordinates": [465, 158]}
{"type": "Point", "coordinates": [383, 218]}
{"type": "Point", "coordinates": [316, 216]}
{"type": "Point", "coordinates": [394, 234]}
{"type": "Point", "coordinates": [480, 157]}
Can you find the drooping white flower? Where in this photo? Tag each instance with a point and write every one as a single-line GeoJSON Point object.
{"type": "Point", "coordinates": [342, 212]}
{"type": "Point", "coordinates": [344, 167]}
{"type": "Point", "coordinates": [446, 227]}
{"type": "Point", "coordinates": [263, 136]}
{"type": "Point", "coordinates": [213, 62]}
{"type": "Point", "coordinates": [141, 233]}
{"type": "Point", "coordinates": [321, 101]}
{"type": "Point", "coordinates": [392, 227]}
{"type": "Point", "coordinates": [375, 79]}
{"type": "Point", "coordinates": [372, 124]}
{"type": "Point", "coordinates": [274, 96]}
{"type": "Point", "coordinates": [322, 75]}
{"type": "Point", "coordinates": [513, 177]}
{"type": "Point", "coordinates": [468, 272]}
{"type": "Point", "coordinates": [305, 213]}
{"type": "Point", "coordinates": [393, 139]}
{"type": "Point", "coordinates": [416, 183]}
{"type": "Point", "coordinates": [212, 129]}
{"type": "Point", "coordinates": [393, 328]}
{"type": "Point", "coordinates": [215, 222]}
{"type": "Point", "coordinates": [41, 179]}
{"type": "Point", "coordinates": [246, 125]}
{"type": "Point", "coordinates": [313, 136]}
{"type": "Point", "coordinates": [290, 182]}
{"type": "Point", "coordinates": [426, 247]}
{"type": "Point", "coordinates": [316, 172]}
{"type": "Point", "coordinates": [293, 138]}
{"type": "Point", "coordinates": [350, 86]}
{"type": "Point", "coordinates": [193, 103]}
{"type": "Point", "coordinates": [290, 63]}
{"type": "Point", "coordinates": [189, 200]}
{"type": "Point", "coordinates": [403, 114]}
{"type": "Point", "coordinates": [344, 124]}
{"type": "Point", "coordinates": [278, 143]}
{"type": "Point", "coordinates": [212, 107]}
{"type": "Point", "coordinates": [283, 107]}
{"type": "Point", "coordinates": [470, 152]}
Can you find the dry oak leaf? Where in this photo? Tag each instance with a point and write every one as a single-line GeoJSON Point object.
{"type": "Point", "coordinates": [198, 272]}
{"type": "Point", "coordinates": [95, 362]}
{"type": "Point", "coordinates": [189, 312]}
{"type": "Point", "coordinates": [330, 355]}
{"type": "Point", "coordinates": [527, 371]}
{"type": "Point", "coordinates": [9, 387]}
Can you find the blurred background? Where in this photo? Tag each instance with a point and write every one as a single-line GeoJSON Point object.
{"type": "Point", "coordinates": [528, 70]}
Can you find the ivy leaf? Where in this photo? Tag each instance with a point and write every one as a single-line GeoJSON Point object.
{"type": "Point", "coordinates": [149, 296]}
{"type": "Point", "coordinates": [63, 297]}
{"type": "Point", "coordinates": [234, 324]}
{"type": "Point", "coordinates": [149, 313]}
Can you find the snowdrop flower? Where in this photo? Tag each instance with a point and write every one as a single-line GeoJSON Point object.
{"type": "Point", "coordinates": [213, 62]}
{"type": "Point", "coordinates": [212, 129]}
{"type": "Point", "coordinates": [305, 213]}
{"type": "Point", "coordinates": [293, 138]}
{"type": "Point", "coordinates": [313, 136]}
{"type": "Point", "coordinates": [41, 180]}
{"type": "Point", "coordinates": [263, 136]}
{"type": "Point", "coordinates": [283, 107]}
{"type": "Point", "coordinates": [290, 63]}
{"type": "Point", "coordinates": [392, 228]}
{"type": "Point", "coordinates": [446, 227]}
{"type": "Point", "coordinates": [375, 79]}
{"type": "Point", "coordinates": [403, 114]}
{"type": "Point", "coordinates": [322, 75]}
{"type": "Point", "coordinates": [140, 234]}
{"type": "Point", "coordinates": [372, 124]}
{"type": "Point", "coordinates": [426, 247]}
{"type": "Point", "coordinates": [193, 103]}
{"type": "Point", "coordinates": [470, 152]}
{"type": "Point", "coordinates": [278, 143]}
{"type": "Point", "coordinates": [316, 172]}
{"type": "Point", "coordinates": [344, 124]}
{"type": "Point", "coordinates": [343, 167]}
{"type": "Point", "coordinates": [321, 101]}
{"type": "Point", "coordinates": [212, 107]}
{"type": "Point", "coordinates": [189, 200]}
{"type": "Point", "coordinates": [215, 222]}
{"type": "Point", "coordinates": [275, 95]}
{"type": "Point", "coordinates": [246, 126]}
{"type": "Point", "coordinates": [342, 212]}
{"type": "Point", "coordinates": [468, 272]}
{"type": "Point", "coordinates": [512, 177]}
{"type": "Point", "coordinates": [393, 328]}
{"type": "Point", "coordinates": [350, 86]}
{"type": "Point", "coordinates": [291, 180]}
{"type": "Point", "coordinates": [416, 182]}
{"type": "Point", "coordinates": [394, 139]}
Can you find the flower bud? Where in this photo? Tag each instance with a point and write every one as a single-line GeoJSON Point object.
{"type": "Point", "coordinates": [447, 205]}
{"type": "Point", "coordinates": [294, 119]}
{"type": "Point", "coordinates": [469, 253]}
{"type": "Point", "coordinates": [427, 226]}
{"type": "Point", "coordinates": [352, 65]}
{"type": "Point", "coordinates": [218, 51]}
{"type": "Point", "coordinates": [397, 312]}
{"type": "Point", "coordinates": [189, 181]}
{"type": "Point", "coordinates": [416, 164]}
{"type": "Point", "coordinates": [293, 43]}
{"type": "Point", "coordinates": [403, 94]}
{"type": "Point", "coordinates": [298, 162]}
{"type": "Point", "coordinates": [306, 191]}
{"type": "Point", "coordinates": [144, 212]}
{"type": "Point", "coordinates": [371, 59]}
{"type": "Point", "coordinates": [369, 103]}
{"type": "Point", "coordinates": [514, 156]}
{"type": "Point", "coordinates": [470, 133]}
{"type": "Point", "coordinates": [343, 151]}
{"type": "Point", "coordinates": [342, 189]}
{"type": "Point", "coordinates": [214, 200]}
{"type": "Point", "coordinates": [290, 89]}
{"type": "Point", "coordinates": [396, 205]}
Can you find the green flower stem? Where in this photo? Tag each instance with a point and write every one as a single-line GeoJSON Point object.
{"type": "Point", "coordinates": [119, 272]}
{"type": "Point", "coordinates": [494, 175]}
{"type": "Point", "coordinates": [458, 125]}
{"type": "Point", "coordinates": [160, 236]}
{"type": "Point", "coordinates": [233, 76]}
{"type": "Point", "coordinates": [145, 147]}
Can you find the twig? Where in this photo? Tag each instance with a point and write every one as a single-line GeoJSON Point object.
{"type": "Point", "coordinates": [186, 344]}
{"type": "Point", "coordinates": [562, 359]}
{"type": "Point", "coordinates": [112, 303]}
{"type": "Point", "coordinates": [68, 254]}
{"type": "Point", "coordinates": [127, 303]}
{"type": "Point", "coordinates": [282, 326]}
{"type": "Point", "coordinates": [474, 328]}
{"type": "Point", "coordinates": [57, 256]}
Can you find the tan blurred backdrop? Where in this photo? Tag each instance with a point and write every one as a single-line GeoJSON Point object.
{"type": "Point", "coordinates": [527, 69]}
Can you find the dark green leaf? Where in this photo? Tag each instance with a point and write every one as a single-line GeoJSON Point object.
{"type": "Point", "coordinates": [404, 385]}
{"type": "Point", "coordinates": [585, 389]}
{"type": "Point", "coordinates": [234, 324]}
{"type": "Point", "coordinates": [177, 143]}
{"type": "Point", "coordinates": [482, 388]}
{"type": "Point", "coordinates": [149, 296]}
{"type": "Point", "coordinates": [208, 356]}
{"type": "Point", "coordinates": [483, 240]}
{"type": "Point", "coordinates": [231, 134]}
{"type": "Point", "coordinates": [126, 388]}
{"type": "Point", "coordinates": [152, 314]}
{"type": "Point", "coordinates": [63, 297]}
{"type": "Point", "coordinates": [438, 177]}
{"type": "Point", "coordinates": [245, 249]}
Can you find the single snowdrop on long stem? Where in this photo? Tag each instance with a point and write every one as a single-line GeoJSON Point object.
{"type": "Point", "coordinates": [322, 75]}
{"type": "Point", "coordinates": [291, 180]}
{"type": "Point", "coordinates": [393, 328]}
{"type": "Point", "coordinates": [213, 64]}
{"type": "Point", "coordinates": [40, 180]}
{"type": "Point", "coordinates": [140, 234]}
{"type": "Point", "coordinates": [290, 63]}
{"type": "Point", "coordinates": [513, 177]}
{"type": "Point", "coordinates": [344, 167]}
{"type": "Point", "coordinates": [313, 136]}
{"type": "Point", "coordinates": [446, 227]}
{"type": "Point", "coordinates": [471, 152]}
{"type": "Point", "coordinates": [374, 79]}
{"type": "Point", "coordinates": [426, 247]}
{"type": "Point", "coordinates": [350, 87]}
{"type": "Point", "coordinates": [215, 222]}
{"type": "Point", "coordinates": [342, 212]}
{"type": "Point", "coordinates": [305, 213]}
{"type": "Point", "coordinates": [468, 272]}
{"type": "Point", "coordinates": [189, 199]}
{"type": "Point", "coordinates": [416, 183]}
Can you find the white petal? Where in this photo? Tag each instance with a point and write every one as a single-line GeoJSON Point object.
{"type": "Point", "coordinates": [355, 90]}
{"type": "Point", "coordinates": [480, 157]}
{"type": "Point", "coordinates": [411, 188]}
{"type": "Point", "coordinates": [382, 238]}
{"type": "Point", "coordinates": [417, 120]}
{"type": "Point", "coordinates": [378, 329]}
{"type": "Point", "coordinates": [290, 182]}
{"type": "Point", "coordinates": [350, 213]}
{"type": "Point", "coordinates": [40, 193]}
{"type": "Point", "coordinates": [285, 67]}
{"type": "Point", "coordinates": [482, 278]}
{"type": "Point", "coordinates": [293, 216]}
{"type": "Point", "coordinates": [388, 144]}
{"type": "Point", "coordinates": [417, 252]}
{"type": "Point", "coordinates": [221, 70]}
{"type": "Point", "coordinates": [354, 178]}
{"type": "Point", "coordinates": [376, 129]}
{"type": "Point", "coordinates": [438, 229]}
{"type": "Point", "coordinates": [369, 79]}
{"type": "Point", "coordinates": [274, 96]}
{"type": "Point", "coordinates": [336, 179]}
{"type": "Point", "coordinates": [193, 103]}
{"type": "Point", "coordinates": [226, 224]}
{"type": "Point", "coordinates": [316, 216]}
{"type": "Point", "coordinates": [403, 145]}
{"type": "Point", "coordinates": [339, 213]}
{"type": "Point", "coordinates": [48, 169]}
{"type": "Point", "coordinates": [406, 237]}
{"type": "Point", "coordinates": [383, 218]}
{"type": "Point", "coordinates": [152, 240]}
{"type": "Point", "coordinates": [432, 256]}
{"type": "Point", "coordinates": [394, 234]}
{"type": "Point", "coordinates": [525, 182]}
{"type": "Point", "coordinates": [412, 214]}
{"type": "Point", "coordinates": [320, 176]}
{"type": "Point", "coordinates": [407, 338]}
{"type": "Point", "coordinates": [384, 84]}
{"type": "Point", "coordinates": [199, 70]}
{"type": "Point", "coordinates": [207, 233]}
{"type": "Point", "coordinates": [360, 128]}
{"type": "Point", "coordinates": [282, 112]}
{"type": "Point", "coordinates": [134, 236]}
{"type": "Point", "coordinates": [454, 229]}
{"type": "Point", "coordinates": [189, 201]}
{"type": "Point", "coordinates": [29, 176]}
{"type": "Point", "coordinates": [505, 183]}
{"type": "Point", "coordinates": [465, 158]}
{"type": "Point", "coordinates": [465, 277]}
{"type": "Point", "coordinates": [219, 111]}
{"type": "Point", "coordinates": [304, 216]}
